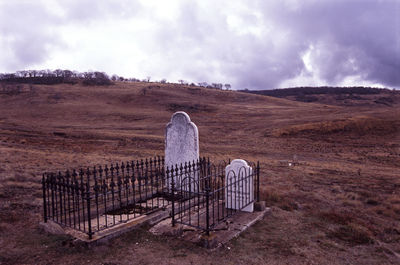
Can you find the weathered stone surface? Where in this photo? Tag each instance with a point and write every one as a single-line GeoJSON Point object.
{"type": "Point", "coordinates": [259, 206]}
{"type": "Point", "coordinates": [181, 144]}
{"type": "Point", "coordinates": [51, 227]}
{"type": "Point", "coordinates": [165, 228]}
{"type": "Point", "coordinates": [223, 232]}
{"type": "Point", "coordinates": [239, 185]}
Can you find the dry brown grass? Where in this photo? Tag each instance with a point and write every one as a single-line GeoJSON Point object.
{"type": "Point", "coordinates": [352, 234]}
{"type": "Point", "coordinates": [359, 125]}
{"type": "Point", "coordinates": [334, 207]}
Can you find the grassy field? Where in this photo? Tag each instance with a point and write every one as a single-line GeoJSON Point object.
{"type": "Point", "coordinates": [340, 205]}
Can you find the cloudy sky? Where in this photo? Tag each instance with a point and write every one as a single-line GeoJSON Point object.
{"type": "Point", "coordinates": [255, 44]}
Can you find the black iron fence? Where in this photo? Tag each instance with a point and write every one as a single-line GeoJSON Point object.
{"type": "Point", "coordinates": [197, 193]}
{"type": "Point", "coordinates": [97, 198]}
{"type": "Point", "coordinates": [204, 195]}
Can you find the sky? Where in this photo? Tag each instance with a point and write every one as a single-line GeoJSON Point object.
{"type": "Point", "coordinates": [253, 44]}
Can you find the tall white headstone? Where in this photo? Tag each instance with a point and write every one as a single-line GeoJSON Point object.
{"type": "Point", "coordinates": [239, 183]}
{"type": "Point", "coordinates": [181, 145]}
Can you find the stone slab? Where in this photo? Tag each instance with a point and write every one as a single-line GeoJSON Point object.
{"type": "Point", "coordinates": [103, 236]}
{"type": "Point", "coordinates": [221, 235]}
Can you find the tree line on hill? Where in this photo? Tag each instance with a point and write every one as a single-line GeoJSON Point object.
{"type": "Point", "coordinates": [304, 91]}
{"type": "Point", "coordinates": [90, 78]}
{"type": "Point", "coordinates": [58, 76]}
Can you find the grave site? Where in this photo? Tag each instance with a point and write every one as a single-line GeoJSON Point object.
{"type": "Point", "coordinates": [144, 173]}
{"type": "Point", "coordinates": [99, 204]}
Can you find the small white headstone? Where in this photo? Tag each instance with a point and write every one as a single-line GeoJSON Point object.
{"type": "Point", "coordinates": [181, 145]}
{"type": "Point", "coordinates": [239, 190]}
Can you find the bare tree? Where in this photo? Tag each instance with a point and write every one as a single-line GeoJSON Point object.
{"type": "Point", "coordinates": [67, 74]}
{"type": "Point", "coordinates": [217, 85]}
{"type": "Point", "coordinates": [58, 72]}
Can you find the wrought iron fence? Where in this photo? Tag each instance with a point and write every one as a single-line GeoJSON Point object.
{"type": "Point", "coordinates": [97, 198]}
{"type": "Point", "coordinates": [204, 196]}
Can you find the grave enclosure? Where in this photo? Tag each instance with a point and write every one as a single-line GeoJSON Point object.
{"type": "Point", "coordinates": [191, 190]}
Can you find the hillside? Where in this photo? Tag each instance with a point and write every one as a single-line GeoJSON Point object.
{"type": "Point", "coordinates": [341, 96]}
{"type": "Point", "coordinates": [338, 204]}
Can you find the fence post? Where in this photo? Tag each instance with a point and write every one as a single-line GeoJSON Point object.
{"type": "Point", "coordinates": [207, 209]}
{"type": "Point", "coordinates": [44, 199]}
{"type": "Point", "coordinates": [172, 193]}
{"type": "Point", "coordinates": [208, 166]}
{"type": "Point", "coordinates": [59, 179]}
{"type": "Point", "coordinates": [88, 206]}
{"type": "Point", "coordinates": [258, 181]}
{"type": "Point", "coordinates": [52, 187]}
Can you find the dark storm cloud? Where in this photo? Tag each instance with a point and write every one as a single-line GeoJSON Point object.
{"type": "Point", "coordinates": [349, 38]}
{"type": "Point", "coordinates": [366, 33]}
{"type": "Point", "coordinates": [346, 38]}
{"type": "Point", "coordinates": [243, 58]}
{"type": "Point", "coordinates": [263, 65]}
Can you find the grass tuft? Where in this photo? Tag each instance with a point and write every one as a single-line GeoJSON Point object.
{"type": "Point", "coordinates": [352, 234]}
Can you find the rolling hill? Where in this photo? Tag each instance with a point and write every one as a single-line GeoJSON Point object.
{"type": "Point", "coordinates": [340, 202]}
{"type": "Point", "coordinates": [342, 96]}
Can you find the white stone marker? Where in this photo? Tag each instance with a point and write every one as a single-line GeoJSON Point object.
{"type": "Point", "coordinates": [181, 145]}
{"type": "Point", "coordinates": [239, 185]}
